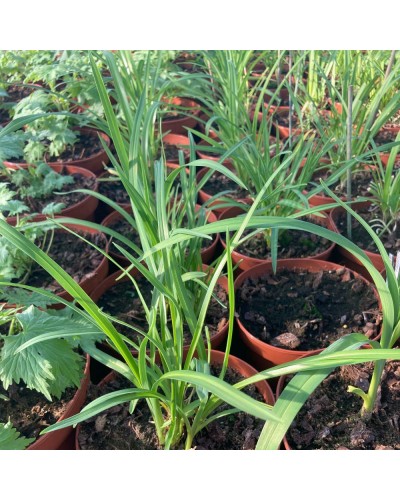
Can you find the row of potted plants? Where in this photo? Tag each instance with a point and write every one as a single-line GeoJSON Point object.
{"type": "Point", "coordinates": [177, 309]}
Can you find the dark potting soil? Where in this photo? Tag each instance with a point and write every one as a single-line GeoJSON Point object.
{"type": "Point", "coordinates": [76, 257]}
{"type": "Point", "coordinates": [126, 229]}
{"type": "Point", "coordinates": [114, 190]}
{"type": "Point", "coordinates": [305, 311]}
{"type": "Point", "coordinates": [4, 115]}
{"type": "Point", "coordinates": [359, 236]}
{"type": "Point", "coordinates": [36, 205]}
{"type": "Point", "coordinates": [172, 153]}
{"type": "Point", "coordinates": [123, 302]}
{"type": "Point", "coordinates": [330, 418]}
{"type": "Point", "coordinates": [239, 431]}
{"type": "Point", "coordinates": [360, 183]}
{"type": "Point", "coordinates": [17, 92]}
{"type": "Point", "coordinates": [116, 429]}
{"type": "Point", "coordinates": [29, 411]}
{"type": "Point", "coordinates": [283, 119]}
{"type": "Point", "coordinates": [291, 244]}
{"type": "Point", "coordinates": [387, 135]}
{"type": "Point", "coordinates": [219, 182]}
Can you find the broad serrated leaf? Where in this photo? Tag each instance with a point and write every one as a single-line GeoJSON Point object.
{"type": "Point", "coordinates": [14, 207]}
{"type": "Point", "coordinates": [48, 367]}
{"type": "Point", "coordinates": [10, 438]}
{"type": "Point", "coordinates": [25, 298]}
{"type": "Point", "coordinates": [53, 208]}
{"type": "Point", "coordinates": [11, 146]}
{"type": "Point", "coordinates": [6, 194]}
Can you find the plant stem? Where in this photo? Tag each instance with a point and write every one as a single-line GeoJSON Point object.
{"type": "Point", "coordinates": [369, 402]}
{"type": "Point", "coordinates": [349, 152]}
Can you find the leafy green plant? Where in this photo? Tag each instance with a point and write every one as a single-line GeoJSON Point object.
{"type": "Point", "coordinates": [179, 301]}
{"type": "Point", "coordinates": [37, 182]}
{"type": "Point", "coordinates": [47, 368]}
{"type": "Point", "coordinates": [11, 439]}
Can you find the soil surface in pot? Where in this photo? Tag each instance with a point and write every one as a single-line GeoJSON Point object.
{"type": "Point", "coordinates": [76, 257]}
{"type": "Point", "coordinates": [387, 135]}
{"type": "Point", "coordinates": [219, 182]}
{"type": "Point", "coordinates": [116, 429]}
{"type": "Point", "coordinates": [124, 228]}
{"type": "Point", "coordinates": [360, 182]}
{"type": "Point", "coordinates": [172, 152]}
{"type": "Point", "coordinates": [123, 302]}
{"type": "Point", "coordinates": [114, 190]}
{"type": "Point", "coordinates": [330, 418]}
{"type": "Point", "coordinates": [15, 94]}
{"type": "Point", "coordinates": [305, 311]}
{"type": "Point", "coordinates": [359, 236]}
{"type": "Point", "coordinates": [291, 244]}
{"type": "Point", "coordinates": [29, 411]}
{"type": "Point", "coordinates": [283, 119]}
{"type": "Point", "coordinates": [36, 205]}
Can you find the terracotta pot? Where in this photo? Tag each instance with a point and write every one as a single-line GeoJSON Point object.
{"type": "Point", "coordinates": [84, 209]}
{"type": "Point", "coordinates": [216, 340]}
{"type": "Point", "coordinates": [375, 258]}
{"type": "Point", "coordinates": [54, 440]}
{"type": "Point", "coordinates": [181, 124]}
{"type": "Point", "coordinates": [385, 156]}
{"type": "Point", "coordinates": [244, 262]}
{"type": "Point", "coordinates": [204, 197]}
{"type": "Point", "coordinates": [216, 358]}
{"type": "Point", "coordinates": [207, 254]}
{"type": "Point", "coordinates": [93, 163]}
{"type": "Point", "coordinates": [277, 355]}
{"type": "Point", "coordinates": [91, 281]}
{"type": "Point", "coordinates": [179, 141]}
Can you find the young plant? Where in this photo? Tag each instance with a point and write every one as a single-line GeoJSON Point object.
{"type": "Point", "coordinates": [36, 182]}
{"type": "Point", "coordinates": [48, 137]}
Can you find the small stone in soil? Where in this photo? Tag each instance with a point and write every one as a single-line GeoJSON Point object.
{"type": "Point", "coordinates": [288, 340]}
